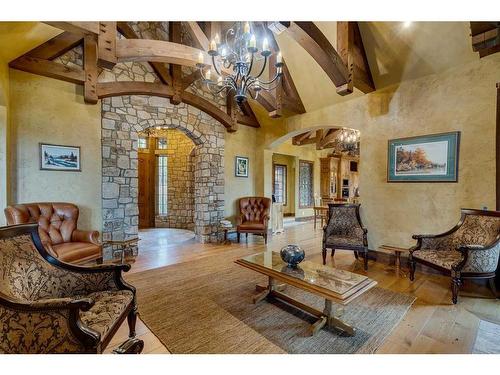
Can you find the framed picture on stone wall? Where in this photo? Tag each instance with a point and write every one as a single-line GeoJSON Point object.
{"type": "Point", "coordinates": [60, 158]}
{"type": "Point", "coordinates": [241, 166]}
{"type": "Point", "coordinates": [426, 158]}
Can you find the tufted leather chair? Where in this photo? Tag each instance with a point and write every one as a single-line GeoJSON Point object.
{"type": "Point", "coordinates": [57, 227]}
{"type": "Point", "coordinates": [254, 216]}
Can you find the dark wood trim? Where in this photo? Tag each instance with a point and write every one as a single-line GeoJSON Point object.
{"type": "Point", "coordinates": [498, 150]}
{"type": "Point", "coordinates": [82, 28]}
{"type": "Point", "coordinates": [174, 28]}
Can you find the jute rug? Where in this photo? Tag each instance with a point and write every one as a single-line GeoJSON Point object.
{"type": "Point", "coordinates": [205, 306]}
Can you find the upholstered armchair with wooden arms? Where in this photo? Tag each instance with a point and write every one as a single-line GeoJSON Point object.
{"type": "Point", "coordinates": [470, 249]}
{"type": "Point", "coordinates": [345, 231]}
{"type": "Point", "coordinates": [253, 216]}
{"type": "Point", "coordinates": [57, 227]}
{"type": "Point", "coordinates": [47, 306]}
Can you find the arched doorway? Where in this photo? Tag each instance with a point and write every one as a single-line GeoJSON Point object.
{"type": "Point", "coordinates": [123, 119]}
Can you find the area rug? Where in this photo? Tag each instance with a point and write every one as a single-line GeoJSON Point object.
{"type": "Point", "coordinates": [204, 306]}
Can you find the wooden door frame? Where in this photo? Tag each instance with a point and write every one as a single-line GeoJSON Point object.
{"type": "Point", "coordinates": [498, 150]}
{"type": "Point", "coordinates": [286, 181]}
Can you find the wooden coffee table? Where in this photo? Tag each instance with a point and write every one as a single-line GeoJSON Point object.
{"type": "Point", "coordinates": [333, 284]}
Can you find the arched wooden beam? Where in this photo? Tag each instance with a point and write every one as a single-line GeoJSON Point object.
{"type": "Point", "coordinates": [158, 50]}
{"type": "Point", "coordinates": [109, 89]}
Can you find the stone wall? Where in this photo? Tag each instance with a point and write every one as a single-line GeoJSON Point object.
{"type": "Point", "coordinates": [122, 119]}
{"type": "Point", "coordinates": [180, 181]}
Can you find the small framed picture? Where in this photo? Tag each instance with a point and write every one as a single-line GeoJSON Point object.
{"type": "Point", "coordinates": [60, 158]}
{"type": "Point", "coordinates": [241, 166]}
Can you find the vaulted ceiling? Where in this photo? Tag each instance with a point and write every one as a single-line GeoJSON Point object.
{"type": "Point", "coordinates": [394, 52]}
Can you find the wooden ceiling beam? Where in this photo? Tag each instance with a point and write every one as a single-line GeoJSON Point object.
{"type": "Point", "coordinates": [247, 117]}
{"type": "Point", "coordinates": [328, 138]}
{"type": "Point", "coordinates": [160, 69]}
{"type": "Point", "coordinates": [191, 78]}
{"type": "Point", "coordinates": [147, 50]}
{"type": "Point", "coordinates": [109, 89]}
{"type": "Point", "coordinates": [485, 37]}
{"type": "Point", "coordinates": [90, 66]}
{"type": "Point", "coordinates": [210, 109]}
{"type": "Point", "coordinates": [198, 35]}
{"type": "Point", "coordinates": [106, 42]}
{"type": "Point", "coordinates": [352, 51]}
{"type": "Point", "coordinates": [300, 139]}
{"type": "Point", "coordinates": [49, 69]}
{"type": "Point", "coordinates": [82, 28]}
{"type": "Point", "coordinates": [175, 69]}
{"type": "Point", "coordinates": [55, 47]}
{"type": "Point", "coordinates": [310, 37]}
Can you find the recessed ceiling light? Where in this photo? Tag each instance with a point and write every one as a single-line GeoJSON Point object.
{"type": "Point", "coordinates": [407, 24]}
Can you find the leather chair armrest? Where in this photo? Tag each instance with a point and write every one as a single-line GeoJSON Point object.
{"type": "Point", "coordinates": [85, 236]}
{"type": "Point", "coordinates": [239, 219]}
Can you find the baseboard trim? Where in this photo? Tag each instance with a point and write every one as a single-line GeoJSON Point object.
{"type": "Point", "coordinates": [304, 218]}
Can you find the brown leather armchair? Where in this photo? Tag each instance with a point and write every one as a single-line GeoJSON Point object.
{"type": "Point", "coordinates": [57, 227]}
{"type": "Point", "coordinates": [254, 216]}
{"type": "Point", "coordinates": [47, 306]}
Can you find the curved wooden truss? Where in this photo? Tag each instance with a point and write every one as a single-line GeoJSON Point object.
{"type": "Point", "coordinates": [102, 48]}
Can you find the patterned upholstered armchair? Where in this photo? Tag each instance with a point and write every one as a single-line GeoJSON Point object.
{"type": "Point", "coordinates": [344, 230]}
{"type": "Point", "coordinates": [469, 250]}
{"type": "Point", "coordinates": [47, 306]}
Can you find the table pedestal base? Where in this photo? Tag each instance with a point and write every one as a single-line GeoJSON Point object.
{"type": "Point", "coordinates": [325, 318]}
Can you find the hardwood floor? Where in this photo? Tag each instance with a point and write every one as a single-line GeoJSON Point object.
{"type": "Point", "coordinates": [433, 324]}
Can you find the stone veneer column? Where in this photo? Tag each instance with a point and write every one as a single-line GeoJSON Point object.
{"type": "Point", "coordinates": [122, 119]}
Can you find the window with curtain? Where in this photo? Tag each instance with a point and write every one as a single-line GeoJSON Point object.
{"type": "Point", "coordinates": [279, 183]}
{"type": "Point", "coordinates": [306, 188]}
{"type": "Point", "coordinates": [161, 191]}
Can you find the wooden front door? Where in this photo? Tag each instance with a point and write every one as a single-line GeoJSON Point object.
{"type": "Point", "coordinates": [146, 190]}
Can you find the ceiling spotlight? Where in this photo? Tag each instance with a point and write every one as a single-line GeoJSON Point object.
{"type": "Point", "coordinates": [407, 24]}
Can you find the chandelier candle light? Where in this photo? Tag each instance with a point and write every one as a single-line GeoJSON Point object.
{"type": "Point", "coordinates": [239, 52]}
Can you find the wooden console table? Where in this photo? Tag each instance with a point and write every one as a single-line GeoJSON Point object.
{"type": "Point", "coordinates": [397, 253]}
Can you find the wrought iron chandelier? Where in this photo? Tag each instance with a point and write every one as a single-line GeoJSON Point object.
{"type": "Point", "coordinates": [349, 139]}
{"type": "Point", "coordinates": [233, 61]}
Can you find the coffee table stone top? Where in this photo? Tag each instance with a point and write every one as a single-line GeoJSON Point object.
{"type": "Point", "coordinates": [332, 283]}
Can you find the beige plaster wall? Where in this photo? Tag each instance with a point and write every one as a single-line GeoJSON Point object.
{"type": "Point", "coordinates": [52, 111]}
{"type": "Point", "coordinates": [4, 135]}
{"type": "Point", "coordinates": [240, 143]}
{"type": "Point", "coordinates": [463, 99]}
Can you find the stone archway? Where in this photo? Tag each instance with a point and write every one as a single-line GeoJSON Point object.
{"type": "Point", "coordinates": [123, 118]}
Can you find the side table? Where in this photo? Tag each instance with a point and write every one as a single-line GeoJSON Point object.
{"type": "Point", "coordinates": [226, 240]}
{"type": "Point", "coordinates": [397, 253]}
{"type": "Point", "coordinates": [124, 248]}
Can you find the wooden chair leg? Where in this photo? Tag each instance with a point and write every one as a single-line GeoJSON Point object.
{"type": "Point", "coordinates": [356, 255]}
{"type": "Point", "coordinates": [132, 319]}
{"type": "Point", "coordinates": [238, 236]}
{"type": "Point", "coordinates": [265, 238]}
{"type": "Point", "coordinates": [131, 346]}
{"type": "Point", "coordinates": [412, 265]}
{"type": "Point", "coordinates": [324, 255]}
{"type": "Point", "coordinates": [246, 237]}
{"type": "Point", "coordinates": [455, 287]}
{"type": "Point", "coordinates": [333, 252]}
{"type": "Point", "coordinates": [366, 260]}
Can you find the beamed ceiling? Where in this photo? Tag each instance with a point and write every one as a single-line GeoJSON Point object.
{"type": "Point", "coordinates": [326, 62]}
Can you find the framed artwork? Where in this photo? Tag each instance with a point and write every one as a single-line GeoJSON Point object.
{"type": "Point", "coordinates": [427, 158]}
{"type": "Point", "coordinates": [241, 166]}
{"type": "Point", "coordinates": [60, 158]}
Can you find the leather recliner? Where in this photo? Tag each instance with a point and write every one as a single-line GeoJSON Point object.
{"type": "Point", "coordinates": [57, 227]}
{"type": "Point", "coordinates": [254, 216]}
